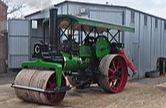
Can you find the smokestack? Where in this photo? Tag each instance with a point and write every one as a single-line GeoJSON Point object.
{"type": "Point", "coordinates": [53, 30]}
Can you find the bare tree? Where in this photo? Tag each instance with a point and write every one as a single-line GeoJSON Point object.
{"type": "Point", "coordinates": [13, 6]}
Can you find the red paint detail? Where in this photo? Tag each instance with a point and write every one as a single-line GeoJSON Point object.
{"type": "Point", "coordinates": [117, 74]}
{"type": "Point", "coordinates": [54, 98]}
{"type": "Point", "coordinates": [129, 63]}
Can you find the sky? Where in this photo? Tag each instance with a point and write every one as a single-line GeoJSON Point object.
{"type": "Point", "coordinates": [154, 7]}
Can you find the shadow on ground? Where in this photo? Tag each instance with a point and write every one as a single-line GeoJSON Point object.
{"type": "Point", "coordinates": [8, 77]}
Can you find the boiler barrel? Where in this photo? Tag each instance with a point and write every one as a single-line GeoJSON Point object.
{"type": "Point", "coordinates": [74, 63]}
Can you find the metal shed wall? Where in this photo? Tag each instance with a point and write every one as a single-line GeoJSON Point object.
{"type": "Point", "coordinates": [163, 38]}
{"type": "Point", "coordinates": [131, 40]}
{"type": "Point", "coordinates": [144, 46]}
{"type": "Point", "coordinates": [147, 42]}
{"type": "Point", "coordinates": [36, 35]}
{"type": "Point", "coordinates": [155, 42]}
{"type": "Point", "coordinates": [95, 12]}
{"type": "Point", "coordinates": [18, 42]}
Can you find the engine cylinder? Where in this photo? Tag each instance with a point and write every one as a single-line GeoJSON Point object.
{"type": "Point", "coordinates": [74, 63]}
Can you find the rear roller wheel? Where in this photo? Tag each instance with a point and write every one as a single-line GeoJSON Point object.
{"type": "Point", "coordinates": [114, 73]}
{"type": "Point", "coordinates": [38, 79]}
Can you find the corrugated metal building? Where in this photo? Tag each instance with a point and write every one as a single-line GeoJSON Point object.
{"type": "Point", "coordinates": [3, 37]}
{"type": "Point", "coordinates": [143, 47]}
{"type": "Point", "coordinates": [18, 42]}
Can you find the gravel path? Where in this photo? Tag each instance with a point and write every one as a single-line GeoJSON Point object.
{"type": "Point", "coordinates": [137, 94]}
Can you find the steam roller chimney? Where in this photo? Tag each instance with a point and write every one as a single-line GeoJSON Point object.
{"type": "Point", "coordinates": [53, 30]}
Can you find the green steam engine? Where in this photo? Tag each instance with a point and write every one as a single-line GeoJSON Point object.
{"type": "Point", "coordinates": [80, 52]}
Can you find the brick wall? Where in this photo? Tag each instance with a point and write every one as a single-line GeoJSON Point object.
{"type": "Point", "coordinates": [3, 37]}
{"type": "Point", "coordinates": [3, 53]}
{"type": "Point", "coordinates": [3, 18]}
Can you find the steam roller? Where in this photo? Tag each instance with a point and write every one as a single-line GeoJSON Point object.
{"type": "Point", "coordinates": [43, 81]}
{"type": "Point", "coordinates": [82, 60]}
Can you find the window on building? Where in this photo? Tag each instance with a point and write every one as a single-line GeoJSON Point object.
{"type": "Point", "coordinates": [34, 24]}
{"type": "Point", "coordinates": [132, 17]}
{"type": "Point", "coordinates": [145, 20]}
{"type": "Point", "coordinates": [156, 23]}
{"type": "Point", "coordinates": [164, 25]}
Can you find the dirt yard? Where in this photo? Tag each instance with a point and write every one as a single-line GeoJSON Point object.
{"type": "Point", "coordinates": [137, 94]}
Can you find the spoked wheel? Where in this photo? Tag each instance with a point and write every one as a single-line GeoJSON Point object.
{"type": "Point", "coordinates": [41, 79]}
{"type": "Point", "coordinates": [114, 73]}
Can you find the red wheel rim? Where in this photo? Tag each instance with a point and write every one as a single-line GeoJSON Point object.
{"type": "Point", "coordinates": [54, 98]}
{"type": "Point", "coordinates": [117, 74]}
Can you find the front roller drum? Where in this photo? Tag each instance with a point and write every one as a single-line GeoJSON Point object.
{"type": "Point", "coordinates": [114, 73]}
{"type": "Point", "coordinates": [40, 79]}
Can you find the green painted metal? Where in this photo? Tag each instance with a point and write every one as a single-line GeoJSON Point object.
{"type": "Point", "coordinates": [71, 62]}
{"type": "Point", "coordinates": [74, 63]}
{"type": "Point", "coordinates": [42, 64]}
{"type": "Point", "coordinates": [85, 51]}
{"type": "Point", "coordinates": [102, 47]}
{"type": "Point", "coordinates": [93, 23]}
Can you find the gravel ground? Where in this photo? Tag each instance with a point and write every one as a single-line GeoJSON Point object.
{"type": "Point", "coordinates": [137, 94]}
